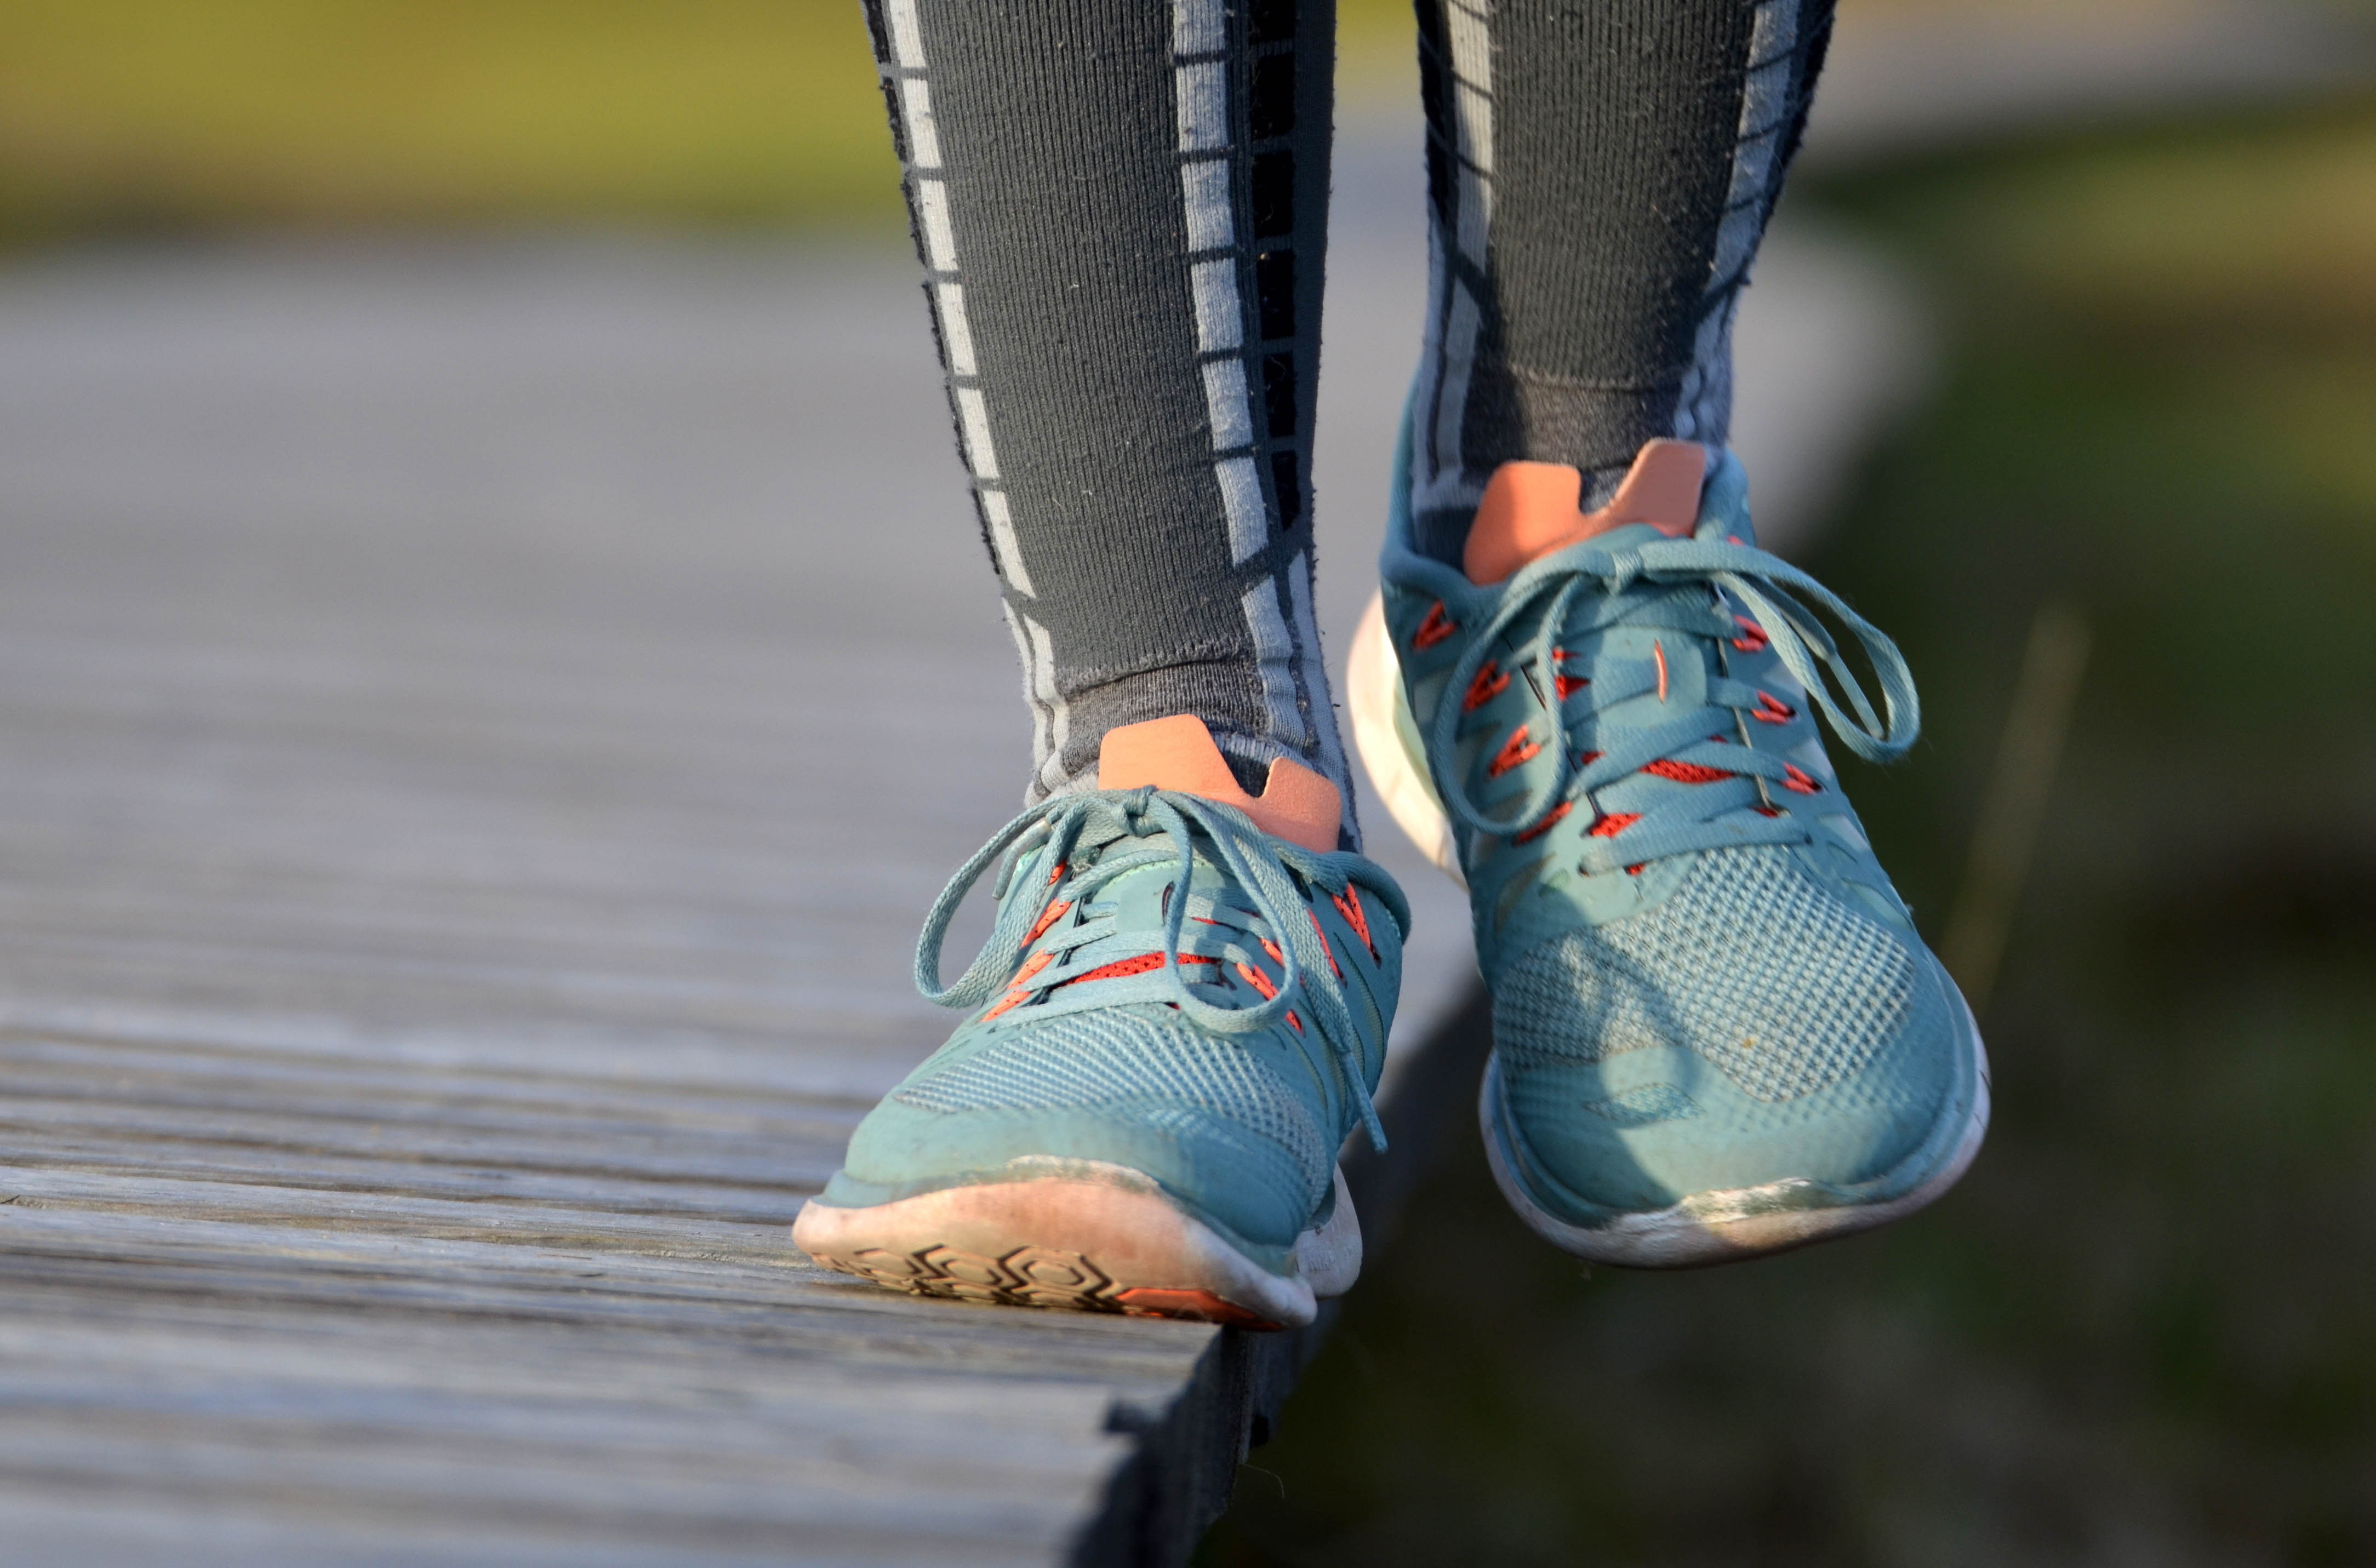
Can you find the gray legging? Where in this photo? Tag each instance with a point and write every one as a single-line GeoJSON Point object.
{"type": "Point", "coordinates": [1121, 206]}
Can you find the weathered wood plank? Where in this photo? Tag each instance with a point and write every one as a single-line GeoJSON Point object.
{"type": "Point", "coordinates": [471, 770]}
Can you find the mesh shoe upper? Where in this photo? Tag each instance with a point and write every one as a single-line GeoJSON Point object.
{"type": "Point", "coordinates": [1778, 984]}
{"type": "Point", "coordinates": [1167, 989]}
{"type": "Point", "coordinates": [1134, 1075]}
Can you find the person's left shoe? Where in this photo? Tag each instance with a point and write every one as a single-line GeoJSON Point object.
{"type": "Point", "coordinates": [1715, 1030]}
{"type": "Point", "coordinates": [1179, 1017]}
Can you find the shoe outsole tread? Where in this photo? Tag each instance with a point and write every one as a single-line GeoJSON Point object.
{"type": "Point", "coordinates": [1114, 1244]}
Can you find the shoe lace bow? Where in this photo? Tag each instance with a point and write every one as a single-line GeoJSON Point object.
{"type": "Point", "coordinates": [1590, 589]}
{"type": "Point", "coordinates": [1098, 836]}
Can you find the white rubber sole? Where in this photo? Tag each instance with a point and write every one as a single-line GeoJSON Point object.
{"type": "Point", "coordinates": [1373, 701]}
{"type": "Point", "coordinates": [1088, 1237]}
{"type": "Point", "coordinates": [1707, 1228]}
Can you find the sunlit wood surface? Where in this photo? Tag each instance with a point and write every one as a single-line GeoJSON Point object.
{"type": "Point", "coordinates": [468, 783]}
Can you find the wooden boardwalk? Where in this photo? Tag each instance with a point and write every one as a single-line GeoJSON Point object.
{"type": "Point", "coordinates": [467, 788]}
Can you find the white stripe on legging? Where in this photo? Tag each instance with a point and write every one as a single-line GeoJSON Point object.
{"type": "Point", "coordinates": [1200, 27]}
{"type": "Point", "coordinates": [1200, 31]}
{"type": "Point", "coordinates": [947, 293]}
{"type": "Point", "coordinates": [1315, 681]}
{"type": "Point", "coordinates": [1275, 657]}
{"type": "Point", "coordinates": [1050, 718]}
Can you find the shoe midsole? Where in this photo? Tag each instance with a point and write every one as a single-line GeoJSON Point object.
{"type": "Point", "coordinates": [1111, 1225]}
{"type": "Point", "coordinates": [1384, 733]}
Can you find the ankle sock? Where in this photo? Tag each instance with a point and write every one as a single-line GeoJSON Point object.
{"type": "Point", "coordinates": [1600, 174]}
{"type": "Point", "coordinates": [1121, 207]}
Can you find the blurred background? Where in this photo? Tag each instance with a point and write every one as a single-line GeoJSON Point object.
{"type": "Point", "coordinates": [2106, 275]}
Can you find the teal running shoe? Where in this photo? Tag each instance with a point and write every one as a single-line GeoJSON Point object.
{"type": "Point", "coordinates": [1716, 1031]}
{"type": "Point", "coordinates": [1176, 1020]}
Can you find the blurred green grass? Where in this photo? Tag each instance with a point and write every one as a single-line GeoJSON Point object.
{"type": "Point", "coordinates": [172, 115]}
{"type": "Point", "coordinates": [2139, 1332]}
{"type": "Point", "coordinates": [145, 114]}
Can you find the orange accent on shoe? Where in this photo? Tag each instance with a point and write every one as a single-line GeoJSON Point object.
{"type": "Point", "coordinates": [1658, 652]}
{"type": "Point", "coordinates": [1433, 627]}
{"type": "Point", "coordinates": [1567, 686]}
{"type": "Point", "coordinates": [1752, 638]}
{"type": "Point", "coordinates": [1326, 951]}
{"type": "Point", "coordinates": [1685, 772]}
{"type": "Point", "coordinates": [1491, 681]}
{"type": "Point", "coordinates": [1272, 948]}
{"type": "Point", "coordinates": [1519, 748]}
{"type": "Point", "coordinates": [1178, 752]}
{"type": "Point", "coordinates": [1268, 987]}
{"type": "Point", "coordinates": [1122, 968]}
{"type": "Point", "coordinates": [1549, 820]}
{"type": "Point", "coordinates": [1016, 991]}
{"type": "Point", "coordinates": [1531, 509]}
{"type": "Point", "coordinates": [1048, 917]}
{"type": "Point", "coordinates": [1349, 904]}
{"type": "Point", "coordinates": [1610, 827]}
{"type": "Point", "coordinates": [1772, 709]}
{"type": "Point", "coordinates": [1202, 1306]}
{"type": "Point", "coordinates": [1795, 777]}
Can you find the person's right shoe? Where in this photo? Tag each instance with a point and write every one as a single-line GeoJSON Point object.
{"type": "Point", "coordinates": [1715, 1030]}
{"type": "Point", "coordinates": [1179, 1017]}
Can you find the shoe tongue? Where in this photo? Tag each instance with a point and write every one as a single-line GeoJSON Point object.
{"type": "Point", "coordinates": [1178, 752]}
{"type": "Point", "coordinates": [1531, 509]}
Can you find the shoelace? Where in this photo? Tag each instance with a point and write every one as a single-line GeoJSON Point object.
{"type": "Point", "coordinates": [1699, 572]}
{"type": "Point", "coordinates": [1105, 825]}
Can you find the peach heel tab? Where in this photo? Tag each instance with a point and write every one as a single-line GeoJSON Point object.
{"type": "Point", "coordinates": [1178, 752]}
{"type": "Point", "coordinates": [1531, 509]}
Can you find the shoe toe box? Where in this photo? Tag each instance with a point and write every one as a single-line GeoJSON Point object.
{"type": "Point", "coordinates": [1749, 1031]}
